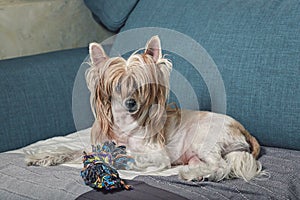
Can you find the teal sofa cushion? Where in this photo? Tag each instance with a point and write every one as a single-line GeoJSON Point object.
{"type": "Point", "coordinates": [256, 47]}
{"type": "Point", "coordinates": [36, 97]}
{"type": "Point", "coordinates": [112, 13]}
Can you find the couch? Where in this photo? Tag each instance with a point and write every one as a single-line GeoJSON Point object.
{"type": "Point", "coordinates": [249, 58]}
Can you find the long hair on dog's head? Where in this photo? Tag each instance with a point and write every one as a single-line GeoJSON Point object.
{"type": "Point", "coordinates": [140, 84]}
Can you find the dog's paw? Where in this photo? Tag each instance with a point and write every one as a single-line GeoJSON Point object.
{"type": "Point", "coordinates": [39, 162]}
{"type": "Point", "coordinates": [44, 158]}
{"type": "Point", "coordinates": [191, 173]}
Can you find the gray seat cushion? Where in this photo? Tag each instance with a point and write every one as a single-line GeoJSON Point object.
{"type": "Point", "coordinates": [20, 182]}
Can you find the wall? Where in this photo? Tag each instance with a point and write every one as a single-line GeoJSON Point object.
{"type": "Point", "coordinates": [34, 26]}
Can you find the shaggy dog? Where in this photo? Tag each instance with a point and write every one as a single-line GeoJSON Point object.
{"type": "Point", "coordinates": [129, 102]}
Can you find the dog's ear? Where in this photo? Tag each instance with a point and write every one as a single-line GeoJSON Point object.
{"type": "Point", "coordinates": [153, 48]}
{"type": "Point", "coordinates": [97, 53]}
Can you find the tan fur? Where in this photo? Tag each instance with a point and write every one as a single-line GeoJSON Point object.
{"type": "Point", "coordinates": [120, 72]}
{"type": "Point", "coordinates": [255, 147]}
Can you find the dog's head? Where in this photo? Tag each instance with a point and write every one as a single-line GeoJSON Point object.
{"type": "Point", "coordinates": [139, 86]}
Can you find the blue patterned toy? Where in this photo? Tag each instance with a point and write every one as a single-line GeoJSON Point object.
{"type": "Point", "coordinates": [100, 167]}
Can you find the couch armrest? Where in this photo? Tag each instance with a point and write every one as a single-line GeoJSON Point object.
{"type": "Point", "coordinates": [36, 97]}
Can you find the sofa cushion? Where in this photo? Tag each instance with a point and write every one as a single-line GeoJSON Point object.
{"type": "Point", "coordinates": [113, 13]}
{"type": "Point", "coordinates": [36, 96]}
{"type": "Point", "coordinates": [20, 182]}
{"type": "Point", "coordinates": [256, 47]}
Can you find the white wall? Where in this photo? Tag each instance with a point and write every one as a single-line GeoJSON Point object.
{"type": "Point", "coordinates": [34, 26]}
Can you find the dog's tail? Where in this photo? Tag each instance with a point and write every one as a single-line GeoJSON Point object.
{"type": "Point", "coordinates": [56, 156]}
{"type": "Point", "coordinates": [254, 145]}
{"type": "Point", "coordinates": [243, 165]}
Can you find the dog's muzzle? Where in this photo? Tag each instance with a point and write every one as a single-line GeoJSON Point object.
{"type": "Point", "coordinates": [131, 105]}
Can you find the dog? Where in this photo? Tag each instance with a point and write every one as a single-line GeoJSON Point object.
{"type": "Point", "coordinates": [129, 102]}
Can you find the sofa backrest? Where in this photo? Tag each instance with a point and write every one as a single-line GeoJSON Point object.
{"type": "Point", "coordinates": [256, 47]}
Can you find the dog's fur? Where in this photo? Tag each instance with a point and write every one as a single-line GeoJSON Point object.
{"type": "Point", "coordinates": [129, 102]}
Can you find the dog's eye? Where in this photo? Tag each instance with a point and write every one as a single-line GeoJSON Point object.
{"type": "Point", "coordinates": [135, 86]}
{"type": "Point", "coordinates": [118, 88]}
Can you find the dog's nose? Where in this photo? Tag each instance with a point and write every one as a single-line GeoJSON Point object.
{"type": "Point", "coordinates": [130, 104]}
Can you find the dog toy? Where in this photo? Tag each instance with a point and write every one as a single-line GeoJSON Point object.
{"type": "Point", "coordinates": [100, 167]}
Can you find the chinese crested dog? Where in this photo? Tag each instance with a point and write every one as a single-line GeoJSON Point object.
{"type": "Point", "coordinates": [129, 102]}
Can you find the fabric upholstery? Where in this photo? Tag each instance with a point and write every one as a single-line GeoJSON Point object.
{"type": "Point", "coordinates": [36, 96]}
{"type": "Point", "coordinates": [20, 182]}
{"type": "Point", "coordinates": [256, 47]}
{"type": "Point", "coordinates": [113, 13]}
